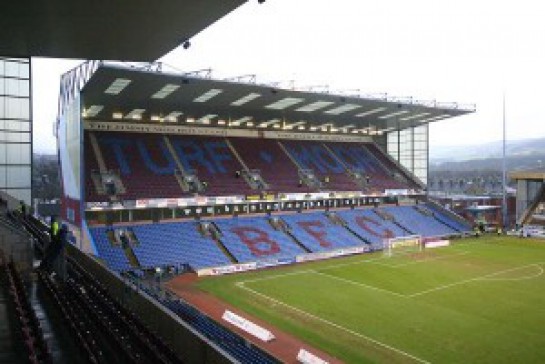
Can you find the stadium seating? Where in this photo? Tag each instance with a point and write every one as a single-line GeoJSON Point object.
{"type": "Point", "coordinates": [144, 162]}
{"type": "Point", "coordinates": [389, 165]}
{"type": "Point", "coordinates": [213, 162]}
{"type": "Point", "coordinates": [357, 156]}
{"type": "Point", "coordinates": [114, 256]}
{"type": "Point", "coordinates": [370, 226]}
{"type": "Point", "coordinates": [419, 223]}
{"type": "Point", "coordinates": [274, 165]}
{"type": "Point", "coordinates": [27, 323]}
{"type": "Point", "coordinates": [147, 165]}
{"type": "Point", "coordinates": [314, 156]}
{"type": "Point", "coordinates": [229, 341]}
{"type": "Point", "coordinates": [105, 317]}
{"type": "Point", "coordinates": [316, 232]}
{"type": "Point", "coordinates": [250, 239]}
{"type": "Point", "coordinates": [175, 244]}
{"type": "Point", "coordinates": [167, 244]}
{"type": "Point", "coordinates": [253, 238]}
{"type": "Point", "coordinates": [441, 215]}
{"type": "Point", "coordinates": [91, 164]}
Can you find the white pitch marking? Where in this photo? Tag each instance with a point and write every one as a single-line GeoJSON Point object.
{"type": "Point", "coordinates": [463, 252]}
{"type": "Point", "coordinates": [535, 275]}
{"type": "Point", "coordinates": [330, 267]}
{"type": "Point", "coordinates": [375, 261]}
{"type": "Point", "coordinates": [337, 326]}
{"type": "Point", "coordinates": [276, 276]}
{"type": "Point", "coordinates": [439, 288]}
{"type": "Point", "coordinates": [360, 284]}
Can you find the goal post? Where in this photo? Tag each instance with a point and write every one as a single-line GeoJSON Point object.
{"type": "Point", "coordinates": [403, 245]}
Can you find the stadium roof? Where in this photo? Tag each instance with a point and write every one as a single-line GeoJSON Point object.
{"type": "Point", "coordinates": [115, 92]}
{"type": "Point", "coordinates": [137, 30]}
{"type": "Point", "coordinates": [532, 174]}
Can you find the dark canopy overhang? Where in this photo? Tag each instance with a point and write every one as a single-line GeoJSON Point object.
{"type": "Point", "coordinates": [158, 96]}
{"type": "Point", "coordinates": [136, 30]}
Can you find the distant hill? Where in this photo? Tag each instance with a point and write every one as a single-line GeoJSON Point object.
{"type": "Point", "coordinates": [515, 148]}
{"type": "Point", "coordinates": [521, 154]}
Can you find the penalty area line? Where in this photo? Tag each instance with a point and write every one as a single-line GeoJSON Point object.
{"type": "Point", "coordinates": [359, 284]}
{"type": "Point", "coordinates": [523, 278]}
{"type": "Point", "coordinates": [332, 324]}
{"type": "Point", "coordinates": [425, 260]}
{"type": "Point", "coordinates": [475, 279]}
{"type": "Point", "coordinates": [281, 275]}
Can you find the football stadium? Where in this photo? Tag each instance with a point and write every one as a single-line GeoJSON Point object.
{"type": "Point", "coordinates": [208, 220]}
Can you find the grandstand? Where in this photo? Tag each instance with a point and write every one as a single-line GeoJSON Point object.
{"type": "Point", "coordinates": [165, 147]}
{"type": "Point", "coordinates": [155, 166]}
{"type": "Point", "coordinates": [175, 173]}
{"type": "Point", "coordinates": [175, 176]}
{"type": "Point", "coordinates": [185, 174]}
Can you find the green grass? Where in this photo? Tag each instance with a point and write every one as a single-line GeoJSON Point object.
{"type": "Point", "coordinates": [480, 300]}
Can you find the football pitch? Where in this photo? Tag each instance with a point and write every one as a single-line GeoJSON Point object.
{"type": "Point", "coordinates": [479, 300]}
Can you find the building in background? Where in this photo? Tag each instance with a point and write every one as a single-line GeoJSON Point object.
{"type": "Point", "coordinates": [16, 128]}
{"type": "Point", "coordinates": [530, 206]}
{"type": "Point", "coordinates": [44, 29]}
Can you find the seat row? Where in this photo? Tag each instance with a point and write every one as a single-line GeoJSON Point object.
{"type": "Point", "coordinates": [147, 165]}
{"type": "Point", "coordinates": [76, 319]}
{"type": "Point", "coordinates": [229, 341]}
{"type": "Point", "coordinates": [258, 238]}
{"type": "Point", "coordinates": [121, 325]}
{"type": "Point", "coordinates": [28, 324]}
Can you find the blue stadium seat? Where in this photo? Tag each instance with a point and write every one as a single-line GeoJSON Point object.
{"type": "Point", "coordinates": [253, 238]}
{"type": "Point", "coordinates": [370, 226]}
{"type": "Point", "coordinates": [417, 222]}
{"type": "Point", "coordinates": [316, 232]}
{"type": "Point", "coordinates": [164, 244]}
{"type": "Point", "coordinates": [444, 217]}
{"type": "Point", "coordinates": [234, 344]}
{"type": "Point", "coordinates": [114, 256]}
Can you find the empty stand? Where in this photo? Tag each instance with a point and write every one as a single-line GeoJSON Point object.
{"type": "Point", "coordinates": [213, 163]}
{"type": "Point", "coordinates": [229, 341]}
{"type": "Point", "coordinates": [168, 244]}
{"type": "Point", "coordinates": [318, 233]}
{"type": "Point", "coordinates": [154, 166]}
{"type": "Point", "coordinates": [404, 177]}
{"type": "Point", "coordinates": [28, 325]}
{"type": "Point", "coordinates": [449, 218]}
{"type": "Point", "coordinates": [144, 163]}
{"type": "Point", "coordinates": [327, 167]}
{"type": "Point", "coordinates": [358, 158]}
{"type": "Point", "coordinates": [253, 238]}
{"type": "Point", "coordinates": [370, 226]}
{"type": "Point", "coordinates": [91, 164]}
{"type": "Point", "coordinates": [114, 256]}
{"type": "Point", "coordinates": [418, 222]}
{"type": "Point", "coordinates": [274, 165]}
{"type": "Point", "coordinates": [175, 244]}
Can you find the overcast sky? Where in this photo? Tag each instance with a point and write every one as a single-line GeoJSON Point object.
{"type": "Point", "coordinates": [467, 51]}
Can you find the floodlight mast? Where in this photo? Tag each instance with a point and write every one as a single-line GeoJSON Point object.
{"type": "Point", "coordinates": [504, 173]}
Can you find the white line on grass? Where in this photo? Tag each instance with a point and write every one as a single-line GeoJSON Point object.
{"type": "Point", "coordinates": [463, 252]}
{"type": "Point", "coordinates": [312, 271]}
{"type": "Point", "coordinates": [360, 284]}
{"type": "Point", "coordinates": [375, 261]}
{"type": "Point", "coordinates": [440, 288]}
{"type": "Point", "coordinates": [277, 276]}
{"type": "Point", "coordinates": [535, 275]}
{"type": "Point", "coordinates": [372, 261]}
{"type": "Point", "coordinates": [330, 323]}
